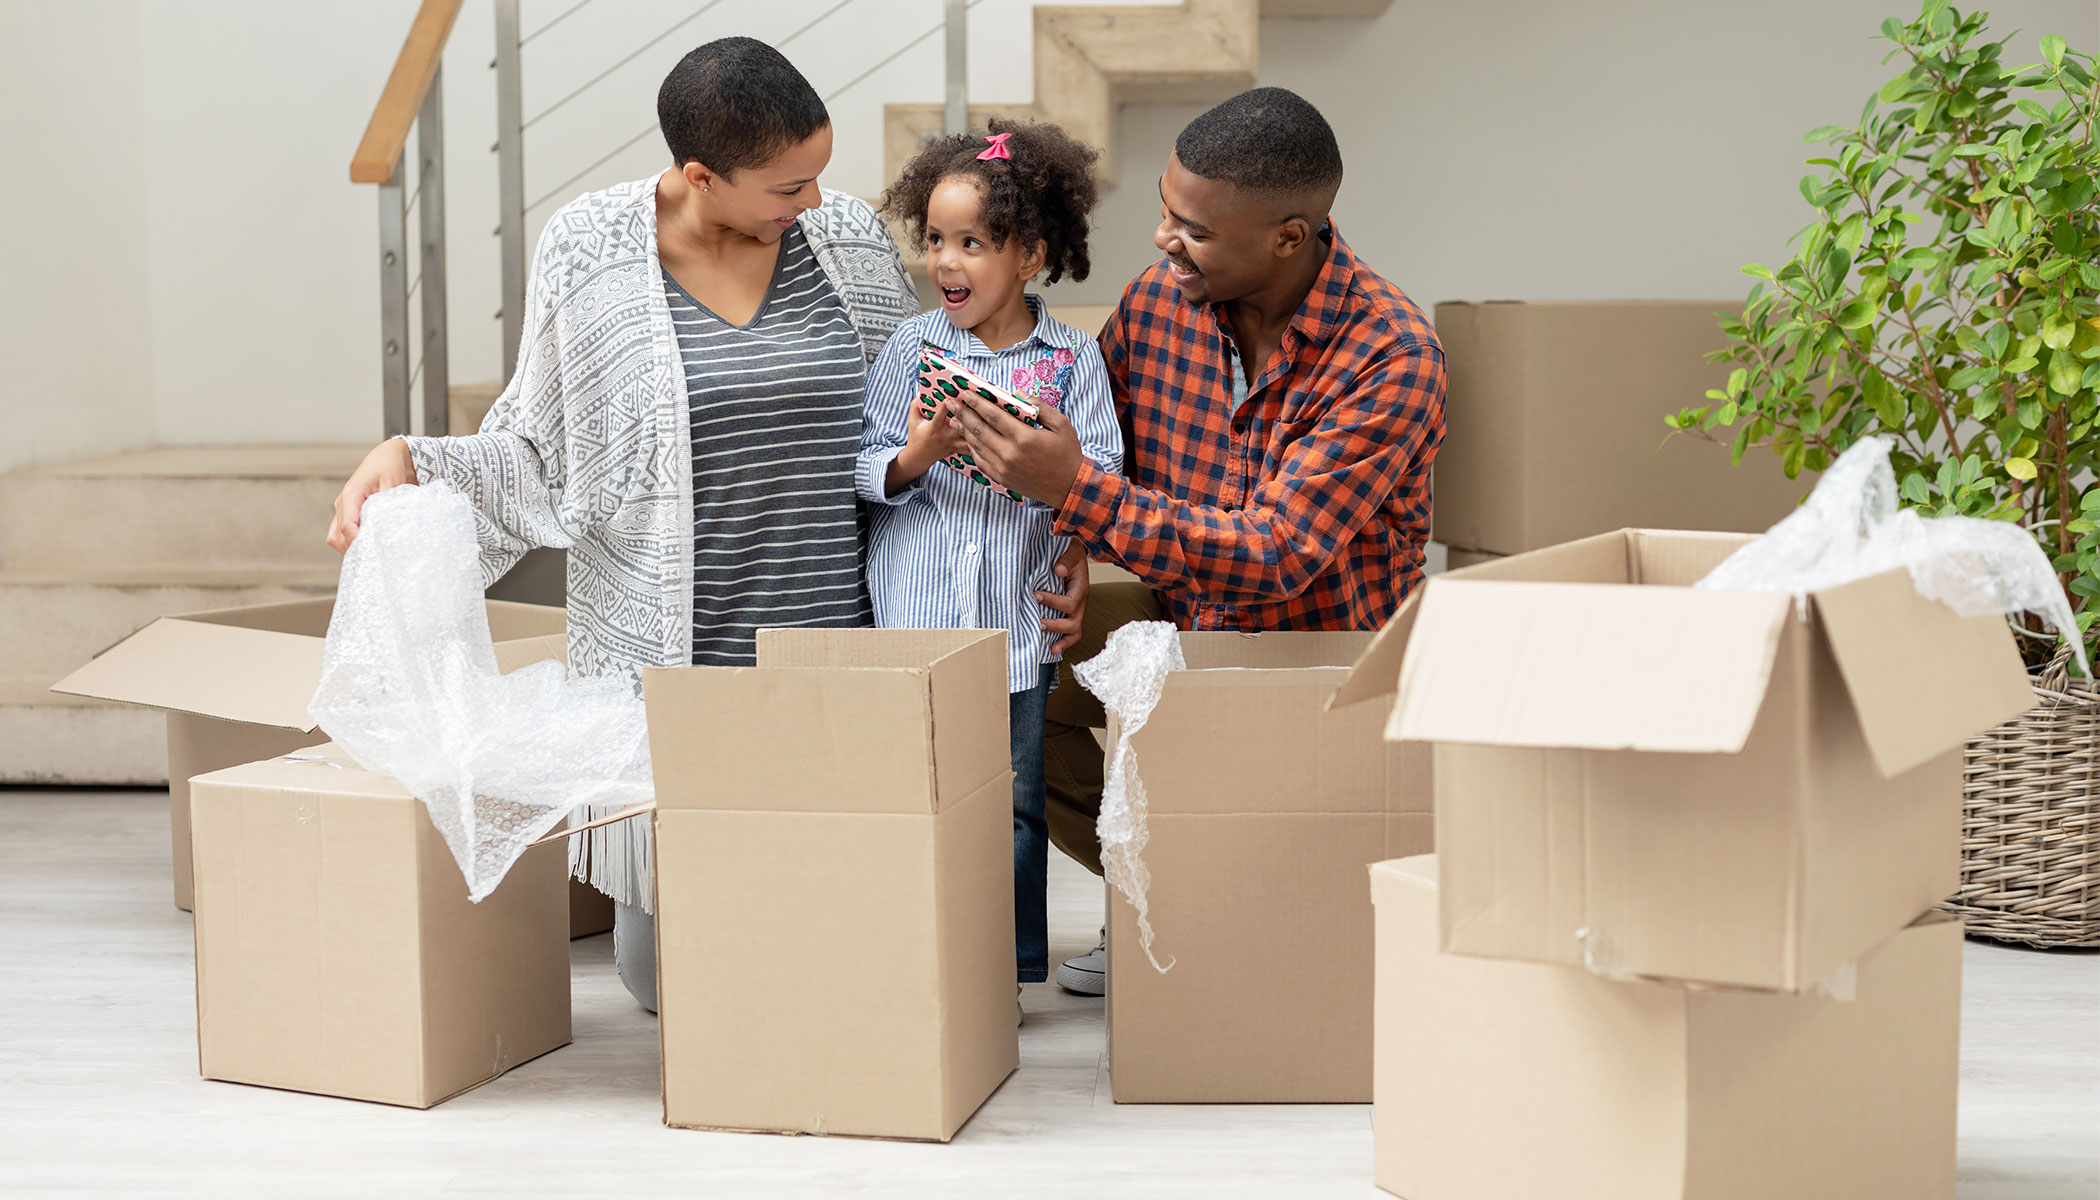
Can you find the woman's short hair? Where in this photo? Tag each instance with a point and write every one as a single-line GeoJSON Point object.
{"type": "Point", "coordinates": [734, 103]}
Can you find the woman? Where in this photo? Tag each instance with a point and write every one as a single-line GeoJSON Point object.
{"type": "Point", "coordinates": [685, 415]}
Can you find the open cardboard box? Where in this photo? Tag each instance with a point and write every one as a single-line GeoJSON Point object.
{"type": "Point", "coordinates": [1264, 810]}
{"type": "Point", "coordinates": [1658, 781]}
{"type": "Point", "coordinates": [337, 952]}
{"type": "Point", "coordinates": [235, 684]}
{"type": "Point", "coordinates": [1509, 1080]}
{"type": "Point", "coordinates": [838, 815]}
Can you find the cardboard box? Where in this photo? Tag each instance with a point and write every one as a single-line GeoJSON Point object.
{"type": "Point", "coordinates": [1264, 810]}
{"type": "Point", "coordinates": [1499, 1080]}
{"type": "Point", "coordinates": [590, 910]}
{"type": "Point", "coordinates": [1686, 784]}
{"type": "Point", "coordinates": [839, 814]}
{"type": "Point", "coordinates": [1554, 426]}
{"type": "Point", "coordinates": [337, 951]}
{"type": "Point", "coordinates": [1459, 560]}
{"type": "Point", "coordinates": [235, 683]}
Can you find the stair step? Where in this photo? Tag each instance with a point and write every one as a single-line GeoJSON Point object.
{"type": "Point", "coordinates": [103, 745]}
{"type": "Point", "coordinates": [63, 622]}
{"type": "Point", "coordinates": [175, 507]}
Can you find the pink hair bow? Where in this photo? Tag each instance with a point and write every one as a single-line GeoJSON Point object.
{"type": "Point", "coordinates": [997, 149]}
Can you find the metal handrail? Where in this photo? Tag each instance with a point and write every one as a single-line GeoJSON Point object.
{"type": "Point", "coordinates": [415, 73]}
{"type": "Point", "coordinates": [412, 98]}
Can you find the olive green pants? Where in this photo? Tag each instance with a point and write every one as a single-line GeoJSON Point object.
{"type": "Point", "coordinates": [1072, 760]}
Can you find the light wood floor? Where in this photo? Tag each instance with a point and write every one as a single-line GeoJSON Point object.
{"type": "Point", "coordinates": [99, 1092]}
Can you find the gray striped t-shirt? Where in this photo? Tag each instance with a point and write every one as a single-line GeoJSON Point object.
{"type": "Point", "coordinates": [775, 405]}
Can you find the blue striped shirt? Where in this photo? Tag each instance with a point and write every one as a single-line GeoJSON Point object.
{"type": "Point", "coordinates": [946, 553]}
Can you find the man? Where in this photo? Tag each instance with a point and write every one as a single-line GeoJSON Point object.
{"type": "Point", "coordinates": [1281, 404]}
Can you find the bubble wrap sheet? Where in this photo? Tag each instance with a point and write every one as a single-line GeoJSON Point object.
{"type": "Point", "coordinates": [409, 688]}
{"type": "Point", "coordinates": [1850, 528]}
{"type": "Point", "coordinates": [1127, 677]}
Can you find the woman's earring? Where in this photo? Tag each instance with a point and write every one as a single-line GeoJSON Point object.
{"type": "Point", "coordinates": [705, 188]}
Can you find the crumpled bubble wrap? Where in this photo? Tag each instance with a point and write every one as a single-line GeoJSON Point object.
{"type": "Point", "coordinates": [409, 688]}
{"type": "Point", "coordinates": [1127, 677]}
{"type": "Point", "coordinates": [1850, 528]}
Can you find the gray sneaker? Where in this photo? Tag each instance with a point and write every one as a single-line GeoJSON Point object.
{"type": "Point", "coordinates": [1086, 975]}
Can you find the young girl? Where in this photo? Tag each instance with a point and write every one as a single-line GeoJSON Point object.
{"type": "Point", "coordinates": [992, 212]}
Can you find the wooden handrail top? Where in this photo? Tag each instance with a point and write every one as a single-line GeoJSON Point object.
{"type": "Point", "coordinates": [417, 64]}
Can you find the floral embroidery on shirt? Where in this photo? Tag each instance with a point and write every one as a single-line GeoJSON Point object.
{"type": "Point", "coordinates": [1046, 381]}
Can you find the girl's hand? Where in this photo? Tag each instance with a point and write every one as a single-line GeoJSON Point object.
{"type": "Point", "coordinates": [938, 435]}
{"type": "Point", "coordinates": [926, 442]}
{"type": "Point", "coordinates": [388, 465]}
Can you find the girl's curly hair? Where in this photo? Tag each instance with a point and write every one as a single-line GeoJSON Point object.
{"type": "Point", "coordinates": [1044, 193]}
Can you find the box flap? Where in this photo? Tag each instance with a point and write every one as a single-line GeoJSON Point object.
{"type": "Point", "coordinates": [1213, 650]}
{"type": "Point", "coordinates": [523, 652]}
{"type": "Point", "coordinates": [1922, 677]}
{"type": "Point", "coordinates": [1604, 558]}
{"type": "Point", "coordinates": [1419, 870]}
{"type": "Point", "coordinates": [1377, 669]}
{"type": "Point", "coordinates": [1587, 666]}
{"type": "Point", "coordinates": [226, 671]}
{"type": "Point", "coordinates": [307, 618]}
{"type": "Point", "coordinates": [325, 768]}
{"type": "Point", "coordinates": [510, 620]}
{"type": "Point", "coordinates": [791, 739]}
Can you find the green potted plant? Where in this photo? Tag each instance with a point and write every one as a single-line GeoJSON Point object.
{"type": "Point", "coordinates": [1947, 293]}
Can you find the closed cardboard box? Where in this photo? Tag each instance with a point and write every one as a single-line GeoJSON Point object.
{"type": "Point", "coordinates": [834, 883]}
{"type": "Point", "coordinates": [337, 951]}
{"type": "Point", "coordinates": [1264, 810]}
{"type": "Point", "coordinates": [1656, 780]}
{"type": "Point", "coordinates": [1501, 1080]}
{"type": "Point", "coordinates": [235, 684]}
{"type": "Point", "coordinates": [1554, 426]}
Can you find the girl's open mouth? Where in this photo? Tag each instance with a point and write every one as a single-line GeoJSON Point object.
{"type": "Point", "coordinates": [955, 297]}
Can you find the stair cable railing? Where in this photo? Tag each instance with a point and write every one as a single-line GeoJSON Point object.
{"type": "Point", "coordinates": [511, 123]}
{"type": "Point", "coordinates": [413, 335]}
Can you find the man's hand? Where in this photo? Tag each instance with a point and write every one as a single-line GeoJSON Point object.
{"type": "Point", "coordinates": [1041, 464]}
{"type": "Point", "coordinates": [1072, 569]}
{"type": "Point", "coordinates": [388, 465]}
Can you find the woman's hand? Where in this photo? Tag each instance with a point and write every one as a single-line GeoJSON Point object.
{"type": "Point", "coordinates": [388, 465]}
{"type": "Point", "coordinates": [1072, 569]}
{"type": "Point", "coordinates": [927, 440]}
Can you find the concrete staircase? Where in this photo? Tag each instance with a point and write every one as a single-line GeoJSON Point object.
{"type": "Point", "coordinates": [91, 551]}
{"type": "Point", "coordinates": [1090, 60]}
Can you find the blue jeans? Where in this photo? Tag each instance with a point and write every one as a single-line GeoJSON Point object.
{"type": "Point", "coordinates": [1024, 712]}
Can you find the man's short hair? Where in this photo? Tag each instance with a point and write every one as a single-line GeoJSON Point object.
{"type": "Point", "coordinates": [1265, 140]}
{"type": "Point", "coordinates": [734, 103]}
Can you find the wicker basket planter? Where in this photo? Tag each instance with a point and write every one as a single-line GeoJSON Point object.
{"type": "Point", "coordinates": [2031, 821]}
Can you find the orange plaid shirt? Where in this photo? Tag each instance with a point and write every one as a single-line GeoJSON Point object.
{"type": "Point", "coordinates": [1306, 509]}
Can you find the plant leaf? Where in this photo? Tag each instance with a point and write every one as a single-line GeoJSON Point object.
{"type": "Point", "coordinates": [2064, 372]}
{"type": "Point", "coordinates": [2058, 329]}
{"type": "Point", "coordinates": [2019, 468]}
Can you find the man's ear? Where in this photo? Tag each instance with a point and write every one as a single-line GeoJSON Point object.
{"type": "Point", "coordinates": [1291, 234]}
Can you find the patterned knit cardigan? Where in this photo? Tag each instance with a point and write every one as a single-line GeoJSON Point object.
{"type": "Point", "coordinates": [589, 448]}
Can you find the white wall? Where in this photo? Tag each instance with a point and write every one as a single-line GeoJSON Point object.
{"type": "Point", "coordinates": [199, 269]}
{"type": "Point", "coordinates": [1523, 149]}
{"type": "Point", "coordinates": [75, 318]}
